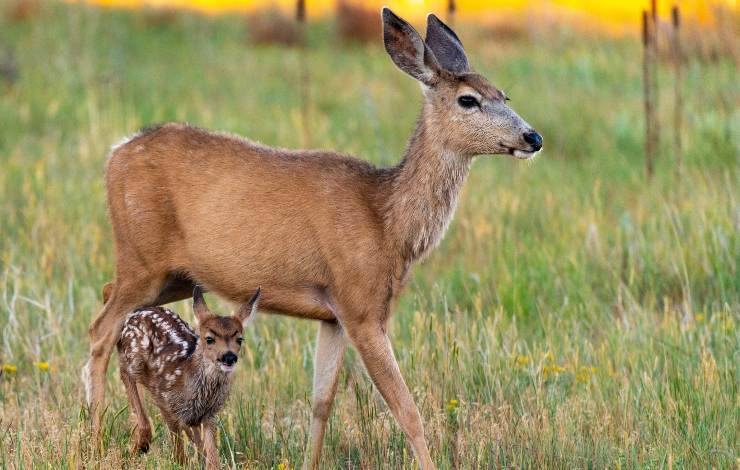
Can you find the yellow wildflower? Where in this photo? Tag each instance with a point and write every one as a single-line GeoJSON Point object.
{"type": "Point", "coordinates": [9, 369]}
{"type": "Point", "coordinates": [585, 373]}
{"type": "Point", "coordinates": [43, 366]}
{"type": "Point", "coordinates": [522, 361]}
{"type": "Point", "coordinates": [553, 369]}
{"type": "Point", "coordinates": [482, 229]}
{"type": "Point", "coordinates": [699, 317]}
{"type": "Point", "coordinates": [452, 405]}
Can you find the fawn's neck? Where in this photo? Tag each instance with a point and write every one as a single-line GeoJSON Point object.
{"type": "Point", "coordinates": [424, 190]}
{"type": "Point", "coordinates": [205, 382]}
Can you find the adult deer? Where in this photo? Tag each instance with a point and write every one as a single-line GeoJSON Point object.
{"type": "Point", "coordinates": [327, 236]}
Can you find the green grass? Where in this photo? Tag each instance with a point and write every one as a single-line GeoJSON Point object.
{"type": "Point", "coordinates": [581, 316]}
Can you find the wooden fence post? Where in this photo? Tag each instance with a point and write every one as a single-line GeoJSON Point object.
{"type": "Point", "coordinates": [650, 23]}
{"type": "Point", "coordinates": [647, 98]}
{"type": "Point", "coordinates": [678, 75]}
{"type": "Point", "coordinates": [304, 75]}
{"type": "Point", "coordinates": [300, 11]}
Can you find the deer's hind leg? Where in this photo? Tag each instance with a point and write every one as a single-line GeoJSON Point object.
{"type": "Point", "coordinates": [131, 290]}
{"type": "Point", "coordinates": [331, 345]}
{"type": "Point", "coordinates": [143, 431]}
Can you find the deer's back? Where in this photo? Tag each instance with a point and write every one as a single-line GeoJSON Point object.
{"type": "Point", "coordinates": [156, 343]}
{"type": "Point", "coordinates": [236, 215]}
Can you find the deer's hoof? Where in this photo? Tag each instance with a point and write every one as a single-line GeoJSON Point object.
{"type": "Point", "coordinates": [142, 441]}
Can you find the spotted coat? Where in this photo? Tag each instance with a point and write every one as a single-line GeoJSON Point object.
{"type": "Point", "coordinates": [158, 349]}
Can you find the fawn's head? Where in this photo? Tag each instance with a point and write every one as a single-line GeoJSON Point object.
{"type": "Point", "coordinates": [463, 110]}
{"type": "Point", "coordinates": [221, 337]}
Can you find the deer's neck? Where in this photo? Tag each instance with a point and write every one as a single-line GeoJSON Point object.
{"type": "Point", "coordinates": [423, 194]}
{"type": "Point", "coordinates": [206, 388]}
{"type": "Point", "coordinates": [206, 375]}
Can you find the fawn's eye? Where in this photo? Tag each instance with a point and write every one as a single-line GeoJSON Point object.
{"type": "Point", "coordinates": [467, 101]}
{"type": "Point", "coordinates": [210, 340]}
{"type": "Point", "coordinates": [239, 341]}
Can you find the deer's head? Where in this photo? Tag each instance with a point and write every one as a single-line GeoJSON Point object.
{"type": "Point", "coordinates": [221, 337]}
{"type": "Point", "coordinates": [463, 111]}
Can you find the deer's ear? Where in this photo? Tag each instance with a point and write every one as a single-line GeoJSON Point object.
{"type": "Point", "coordinates": [199, 306]}
{"type": "Point", "coordinates": [408, 50]}
{"type": "Point", "coordinates": [446, 46]}
{"type": "Point", "coordinates": [247, 310]}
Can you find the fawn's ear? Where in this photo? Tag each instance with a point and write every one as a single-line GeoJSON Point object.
{"type": "Point", "coordinates": [247, 310]}
{"type": "Point", "coordinates": [199, 306]}
{"type": "Point", "coordinates": [446, 46]}
{"type": "Point", "coordinates": [408, 50]}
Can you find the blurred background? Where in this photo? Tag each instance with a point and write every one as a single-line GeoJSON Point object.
{"type": "Point", "coordinates": [581, 311]}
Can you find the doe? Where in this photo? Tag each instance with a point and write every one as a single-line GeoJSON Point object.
{"type": "Point", "coordinates": [188, 374]}
{"type": "Point", "coordinates": [330, 237]}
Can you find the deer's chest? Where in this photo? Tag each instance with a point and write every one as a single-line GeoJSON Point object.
{"type": "Point", "coordinates": [199, 400]}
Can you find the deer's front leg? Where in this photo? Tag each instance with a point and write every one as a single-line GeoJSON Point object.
{"type": "Point", "coordinates": [176, 432]}
{"type": "Point", "coordinates": [374, 347]}
{"type": "Point", "coordinates": [194, 434]}
{"type": "Point", "coordinates": [330, 347]}
{"type": "Point", "coordinates": [209, 445]}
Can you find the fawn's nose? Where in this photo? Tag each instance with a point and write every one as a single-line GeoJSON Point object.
{"type": "Point", "coordinates": [229, 358]}
{"type": "Point", "coordinates": [533, 139]}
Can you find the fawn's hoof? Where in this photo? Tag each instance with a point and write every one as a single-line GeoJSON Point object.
{"type": "Point", "coordinates": [142, 441]}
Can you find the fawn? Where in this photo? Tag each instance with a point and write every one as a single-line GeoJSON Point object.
{"type": "Point", "coordinates": [188, 374]}
{"type": "Point", "coordinates": [330, 237]}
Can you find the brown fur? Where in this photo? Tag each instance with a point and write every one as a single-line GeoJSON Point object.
{"type": "Point", "coordinates": [329, 237]}
{"type": "Point", "coordinates": [184, 372]}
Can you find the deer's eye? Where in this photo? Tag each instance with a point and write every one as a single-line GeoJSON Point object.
{"type": "Point", "coordinates": [210, 340]}
{"type": "Point", "coordinates": [239, 341]}
{"type": "Point", "coordinates": [467, 101]}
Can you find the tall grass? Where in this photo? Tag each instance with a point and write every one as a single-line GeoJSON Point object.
{"type": "Point", "coordinates": [574, 316]}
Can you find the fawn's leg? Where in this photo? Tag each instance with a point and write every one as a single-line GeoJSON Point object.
{"type": "Point", "coordinates": [176, 432]}
{"type": "Point", "coordinates": [143, 431]}
{"type": "Point", "coordinates": [195, 434]}
{"type": "Point", "coordinates": [209, 445]}
{"type": "Point", "coordinates": [374, 347]}
{"type": "Point", "coordinates": [331, 345]}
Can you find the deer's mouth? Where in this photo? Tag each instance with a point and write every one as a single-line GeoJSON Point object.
{"type": "Point", "coordinates": [228, 368]}
{"type": "Point", "coordinates": [523, 154]}
{"type": "Point", "coordinates": [519, 153]}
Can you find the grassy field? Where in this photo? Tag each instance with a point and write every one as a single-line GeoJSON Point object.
{"type": "Point", "coordinates": [576, 315]}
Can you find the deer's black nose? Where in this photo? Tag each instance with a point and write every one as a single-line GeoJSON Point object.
{"type": "Point", "coordinates": [229, 358]}
{"type": "Point", "coordinates": [533, 139]}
